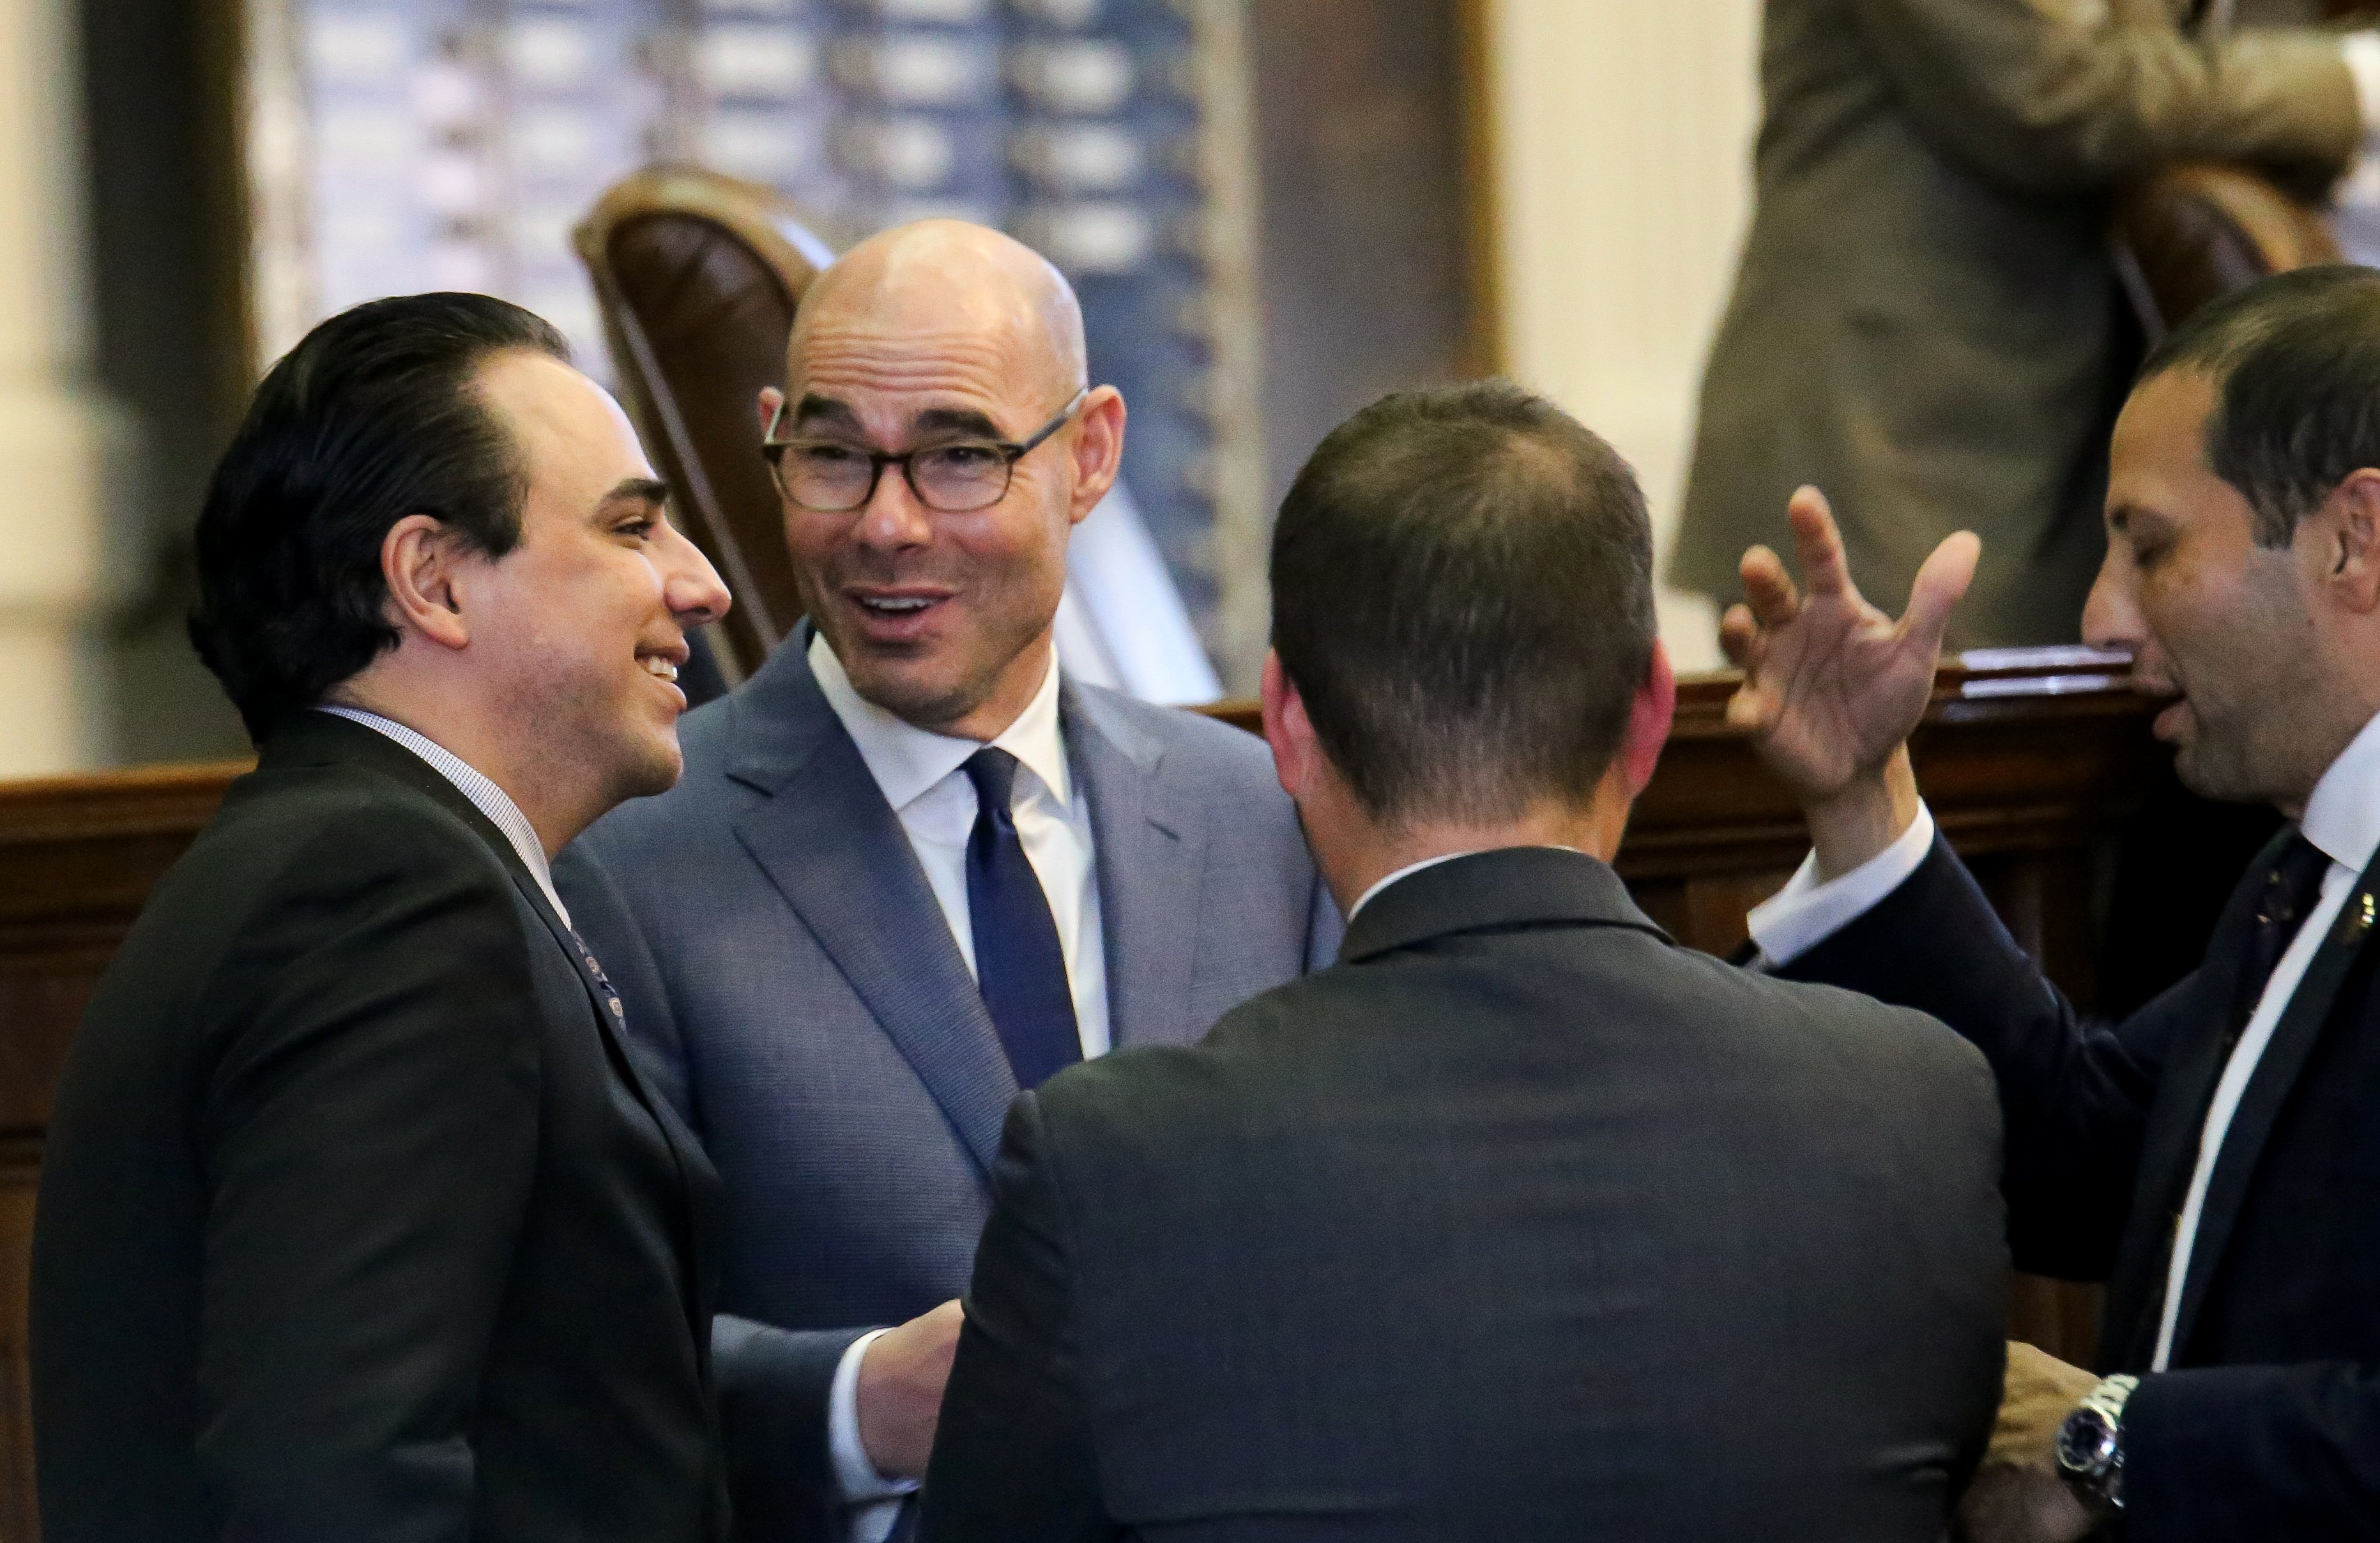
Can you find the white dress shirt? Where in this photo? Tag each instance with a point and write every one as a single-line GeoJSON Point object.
{"type": "Point", "coordinates": [922, 775]}
{"type": "Point", "coordinates": [485, 797]}
{"type": "Point", "coordinates": [2342, 819]}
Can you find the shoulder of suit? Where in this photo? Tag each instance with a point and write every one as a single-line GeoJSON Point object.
{"type": "Point", "coordinates": [336, 862]}
{"type": "Point", "coordinates": [659, 818]}
{"type": "Point", "coordinates": [1199, 741]}
{"type": "Point", "coordinates": [1133, 1086]}
{"type": "Point", "coordinates": [1865, 1038]}
{"type": "Point", "coordinates": [339, 824]}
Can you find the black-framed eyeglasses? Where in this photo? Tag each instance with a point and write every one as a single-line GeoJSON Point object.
{"type": "Point", "coordinates": [831, 478]}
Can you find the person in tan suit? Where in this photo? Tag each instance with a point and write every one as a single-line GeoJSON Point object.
{"type": "Point", "coordinates": [1926, 322]}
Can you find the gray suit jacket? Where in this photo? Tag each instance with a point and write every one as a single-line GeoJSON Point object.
{"type": "Point", "coordinates": [1518, 1223]}
{"type": "Point", "coordinates": [803, 1002]}
{"type": "Point", "coordinates": [1926, 322]}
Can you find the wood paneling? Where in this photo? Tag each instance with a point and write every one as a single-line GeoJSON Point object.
{"type": "Point", "coordinates": [2030, 772]}
{"type": "Point", "coordinates": [77, 858]}
{"type": "Point", "coordinates": [1375, 274]}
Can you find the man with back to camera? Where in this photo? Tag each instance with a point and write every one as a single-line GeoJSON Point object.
{"type": "Point", "coordinates": [1519, 1222]}
{"type": "Point", "coordinates": [2214, 1158]}
{"type": "Point", "coordinates": [356, 1219]}
{"type": "Point", "coordinates": [912, 868]}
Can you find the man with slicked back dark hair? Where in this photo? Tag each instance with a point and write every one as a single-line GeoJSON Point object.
{"type": "Point", "coordinates": [357, 1219]}
{"type": "Point", "coordinates": [330, 456]}
{"type": "Point", "coordinates": [1519, 1222]}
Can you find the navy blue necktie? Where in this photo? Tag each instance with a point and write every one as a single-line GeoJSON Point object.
{"type": "Point", "coordinates": [1017, 959]}
{"type": "Point", "coordinates": [2291, 888]}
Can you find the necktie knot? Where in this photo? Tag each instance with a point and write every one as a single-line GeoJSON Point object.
{"type": "Point", "coordinates": [2293, 884]}
{"type": "Point", "coordinates": [2291, 888]}
{"type": "Point", "coordinates": [993, 772]}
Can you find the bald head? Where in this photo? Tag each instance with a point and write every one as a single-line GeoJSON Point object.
{"type": "Point", "coordinates": [946, 284]}
{"type": "Point", "coordinates": [946, 340]}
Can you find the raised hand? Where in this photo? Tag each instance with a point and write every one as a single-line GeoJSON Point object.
{"type": "Point", "coordinates": [1832, 686]}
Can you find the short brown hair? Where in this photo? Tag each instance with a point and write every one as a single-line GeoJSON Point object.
{"type": "Point", "coordinates": [1463, 595]}
{"type": "Point", "coordinates": [2295, 359]}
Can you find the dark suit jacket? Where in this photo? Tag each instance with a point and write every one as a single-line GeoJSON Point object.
{"type": "Point", "coordinates": [355, 1221]}
{"type": "Point", "coordinates": [1521, 1223]}
{"type": "Point", "coordinates": [801, 999]}
{"type": "Point", "coordinates": [2270, 1424]}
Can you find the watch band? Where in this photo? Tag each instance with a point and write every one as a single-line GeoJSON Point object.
{"type": "Point", "coordinates": [2090, 1447]}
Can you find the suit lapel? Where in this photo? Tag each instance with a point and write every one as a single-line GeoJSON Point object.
{"type": "Point", "coordinates": [2169, 1155]}
{"type": "Point", "coordinates": [1151, 858]}
{"type": "Point", "coordinates": [2268, 1088]}
{"type": "Point", "coordinates": [2170, 1143]}
{"type": "Point", "coordinates": [832, 847]}
{"type": "Point", "coordinates": [325, 737]}
{"type": "Point", "coordinates": [699, 1212]}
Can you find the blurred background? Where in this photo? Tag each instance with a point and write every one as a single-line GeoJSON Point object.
{"type": "Point", "coordinates": [1275, 212]}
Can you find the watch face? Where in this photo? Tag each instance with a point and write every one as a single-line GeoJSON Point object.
{"type": "Point", "coordinates": [2085, 1443]}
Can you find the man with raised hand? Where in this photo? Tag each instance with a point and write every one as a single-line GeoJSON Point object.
{"type": "Point", "coordinates": [356, 1219]}
{"type": "Point", "coordinates": [913, 868]}
{"type": "Point", "coordinates": [2212, 1156]}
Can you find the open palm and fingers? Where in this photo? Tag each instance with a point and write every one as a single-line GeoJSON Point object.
{"type": "Point", "coordinates": [1832, 686]}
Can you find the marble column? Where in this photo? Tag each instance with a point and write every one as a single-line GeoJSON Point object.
{"type": "Point", "coordinates": [59, 441]}
{"type": "Point", "coordinates": [1622, 137]}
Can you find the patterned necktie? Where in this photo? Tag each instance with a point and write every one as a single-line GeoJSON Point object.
{"type": "Point", "coordinates": [1018, 961]}
{"type": "Point", "coordinates": [603, 982]}
{"type": "Point", "coordinates": [2291, 888]}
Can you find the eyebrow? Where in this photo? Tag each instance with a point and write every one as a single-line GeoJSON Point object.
{"type": "Point", "coordinates": [815, 411]}
{"type": "Point", "coordinates": [813, 408]}
{"type": "Point", "coordinates": [635, 490]}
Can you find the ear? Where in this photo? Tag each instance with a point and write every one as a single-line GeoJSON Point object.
{"type": "Point", "coordinates": [1297, 754]}
{"type": "Point", "coordinates": [1099, 449]}
{"type": "Point", "coordinates": [770, 399]}
{"type": "Point", "coordinates": [1649, 716]}
{"type": "Point", "coordinates": [417, 558]}
{"type": "Point", "coordinates": [2352, 561]}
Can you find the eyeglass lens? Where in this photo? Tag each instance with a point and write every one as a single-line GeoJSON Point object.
{"type": "Point", "coordinates": [954, 479]}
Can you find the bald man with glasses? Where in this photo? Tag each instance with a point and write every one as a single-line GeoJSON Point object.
{"type": "Point", "coordinates": [912, 868]}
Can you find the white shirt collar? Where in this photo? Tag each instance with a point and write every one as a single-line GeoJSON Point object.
{"type": "Point", "coordinates": [474, 784]}
{"type": "Point", "coordinates": [908, 761]}
{"type": "Point", "coordinates": [2343, 816]}
{"type": "Point", "coordinates": [1365, 898]}
{"type": "Point", "coordinates": [1378, 884]}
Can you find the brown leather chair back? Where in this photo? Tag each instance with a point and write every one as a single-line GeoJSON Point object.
{"type": "Point", "coordinates": [2189, 233]}
{"type": "Point", "coordinates": [697, 276]}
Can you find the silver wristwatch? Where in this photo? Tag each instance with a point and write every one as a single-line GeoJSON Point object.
{"type": "Point", "coordinates": [2090, 1448]}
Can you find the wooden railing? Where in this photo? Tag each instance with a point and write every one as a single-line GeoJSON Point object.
{"type": "Point", "coordinates": [2031, 764]}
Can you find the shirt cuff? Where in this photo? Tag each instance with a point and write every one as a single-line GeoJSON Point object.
{"type": "Point", "coordinates": [855, 1479]}
{"type": "Point", "coordinates": [1805, 913]}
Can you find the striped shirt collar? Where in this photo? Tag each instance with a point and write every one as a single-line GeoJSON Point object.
{"type": "Point", "coordinates": [485, 797]}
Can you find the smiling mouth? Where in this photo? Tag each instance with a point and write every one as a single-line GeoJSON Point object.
{"type": "Point", "coordinates": [895, 605]}
{"type": "Point", "coordinates": [658, 667]}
